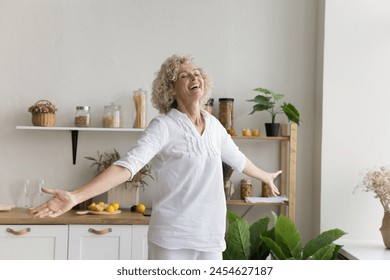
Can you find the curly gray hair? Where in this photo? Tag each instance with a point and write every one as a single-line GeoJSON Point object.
{"type": "Point", "coordinates": [162, 90]}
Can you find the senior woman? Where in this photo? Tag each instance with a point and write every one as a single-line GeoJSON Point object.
{"type": "Point", "coordinates": [186, 146]}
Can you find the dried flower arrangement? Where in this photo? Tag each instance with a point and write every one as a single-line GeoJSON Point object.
{"type": "Point", "coordinates": [378, 182]}
{"type": "Point", "coordinates": [43, 106]}
{"type": "Point", "coordinates": [103, 161]}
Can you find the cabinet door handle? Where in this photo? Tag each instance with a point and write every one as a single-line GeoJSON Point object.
{"type": "Point", "coordinates": [100, 232]}
{"type": "Point", "coordinates": [18, 232]}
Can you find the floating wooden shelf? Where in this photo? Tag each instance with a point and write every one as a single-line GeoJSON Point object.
{"type": "Point", "coordinates": [75, 132]}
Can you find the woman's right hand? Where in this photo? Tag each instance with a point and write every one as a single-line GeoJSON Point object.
{"type": "Point", "coordinates": [61, 202]}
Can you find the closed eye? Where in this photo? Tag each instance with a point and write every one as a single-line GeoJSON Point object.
{"type": "Point", "coordinates": [183, 75]}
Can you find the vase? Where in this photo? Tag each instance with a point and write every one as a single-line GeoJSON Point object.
{"type": "Point", "coordinates": [126, 194]}
{"type": "Point", "coordinates": [385, 229]}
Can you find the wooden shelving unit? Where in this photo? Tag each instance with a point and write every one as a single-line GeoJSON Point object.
{"type": "Point", "coordinates": [288, 159]}
{"type": "Point", "coordinates": [75, 132]}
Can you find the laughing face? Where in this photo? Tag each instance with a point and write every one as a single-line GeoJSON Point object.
{"type": "Point", "coordinates": [189, 85]}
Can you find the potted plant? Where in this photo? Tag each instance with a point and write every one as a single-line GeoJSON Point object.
{"type": "Point", "coordinates": [378, 182]}
{"type": "Point", "coordinates": [282, 242]}
{"type": "Point", "coordinates": [267, 100]}
{"type": "Point", "coordinates": [128, 192]}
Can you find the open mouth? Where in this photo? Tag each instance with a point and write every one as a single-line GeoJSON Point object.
{"type": "Point", "coordinates": [194, 87]}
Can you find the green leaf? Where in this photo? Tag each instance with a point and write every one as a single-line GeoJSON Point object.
{"type": "Point", "coordinates": [291, 112]}
{"type": "Point", "coordinates": [275, 250]}
{"type": "Point", "coordinates": [231, 216]}
{"type": "Point", "coordinates": [288, 237]}
{"type": "Point", "coordinates": [256, 229]}
{"type": "Point", "coordinates": [260, 107]}
{"type": "Point", "coordinates": [336, 251]}
{"type": "Point", "coordinates": [322, 240]}
{"type": "Point", "coordinates": [238, 246]}
{"type": "Point", "coordinates": [263, 100]}
{"type": "Point", "coordinates": [277, 96]}
{"type": "Point", "coordinates": [264, 90]}
{"type": "Point", "coordinates": [325, 253]}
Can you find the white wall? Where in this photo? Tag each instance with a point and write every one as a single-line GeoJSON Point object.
{"type": "Point", "coordinates": [96, 52]}
{"type": "Point", "coordinates": [356, 118]}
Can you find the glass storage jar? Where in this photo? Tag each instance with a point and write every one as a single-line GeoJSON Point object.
{"type": "Point", "coordinates": [246, 188]}
{"type": "Point", "coordinates": [112, 117]}
{"type": "Point", "coordinates": [83, 116]}
{"type": "Point", "coordinates": [209, 106]}
{"type": "Point", "coordinates": [139, 98]}
{"type": "Point", "coordinates": [226, 112]}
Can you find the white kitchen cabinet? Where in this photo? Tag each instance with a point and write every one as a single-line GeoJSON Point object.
{"type": "Point", "coordinates": [107, 242]}
{"type": "Point", "coordinates": [33, 242]}
{"type": "Point", "coordinates": [139, 249]}
{"type": "Point", "coordinates": [99, 242]}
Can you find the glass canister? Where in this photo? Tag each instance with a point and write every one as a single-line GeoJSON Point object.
{"type": "Point", "coordinates": [246, 188]}
{"type": "Point", "coordinates": [112, 117]}
{"type": "Point", "coordinates": [226, 112]}
{"type": "Point", "coordinates": [83, 116]}
{"type": "Point", "coordinates": [139, 101]}
{"type": "Point", "coordinates": [209, 106]}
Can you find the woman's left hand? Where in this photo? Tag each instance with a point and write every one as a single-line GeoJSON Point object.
{"type": "Point", "coordinates": [253, 171]}
{"type": "Point", "coordinates": [269, 180]}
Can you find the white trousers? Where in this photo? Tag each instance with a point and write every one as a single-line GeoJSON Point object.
{"type": "Point", "coordinates": [156, 252]}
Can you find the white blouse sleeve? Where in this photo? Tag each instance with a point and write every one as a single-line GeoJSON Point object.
{"type": "Point", "coordinates": [148, 145]}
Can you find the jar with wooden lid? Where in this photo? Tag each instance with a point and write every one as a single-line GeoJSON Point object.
{"type": "Point", "coordinates": [226, 112]}
{"type": "Point", "coordinates": [246, 188]}
{"type": "Point", "coordinates": [83, 116]}
{"type": "Point", "coordinates": [139, 101]}
{"type": "Point", "coordinates": [112, 117]}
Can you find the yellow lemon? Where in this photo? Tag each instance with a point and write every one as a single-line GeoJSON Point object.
{"type": "Point", "coordinates": [115, 205]}
{"type": "Point", "coordinates": [110, 208]}
{"type": "Point", "coordinates": [101, 203]}
{"type": "Point", "coordinates": [140, 208]}
{"type": "Point", "coordinates": [91, 206]}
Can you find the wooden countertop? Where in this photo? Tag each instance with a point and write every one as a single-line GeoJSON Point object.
{"type": "Point", "coordinates": [21, 216]}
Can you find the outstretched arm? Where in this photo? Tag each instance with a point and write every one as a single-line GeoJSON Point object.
{"type": "Point", "coordinates": [63, 201]}
{"type": "Point", "coordinates": [253, 171]}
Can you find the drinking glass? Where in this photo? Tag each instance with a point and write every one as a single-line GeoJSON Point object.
{"type": "Point", "coordinates": [26, 188]}
{"type": "Point", "coordinates": [38, 195]}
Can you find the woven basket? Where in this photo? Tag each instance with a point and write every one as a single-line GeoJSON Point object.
{"type": "Point", "coordinates": [44, 119]}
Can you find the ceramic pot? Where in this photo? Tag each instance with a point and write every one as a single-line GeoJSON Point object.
{"type": "Point", "coordinates": [385, 229]}
{"type": "Point", "coordinates": [272, 129]}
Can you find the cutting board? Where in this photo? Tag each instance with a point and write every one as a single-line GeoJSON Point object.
{"type": "Point", "coordinates": [98, 212]}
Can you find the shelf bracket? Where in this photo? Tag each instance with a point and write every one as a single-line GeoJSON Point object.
{"type": "Point", "coordinates": [75, 135]}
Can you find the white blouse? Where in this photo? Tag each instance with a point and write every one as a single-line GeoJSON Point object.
{"type": "Point", "coordinates": [189, 207]}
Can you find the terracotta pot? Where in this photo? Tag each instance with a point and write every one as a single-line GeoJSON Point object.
{"type": "Point", "coordinates": [385, 229]}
